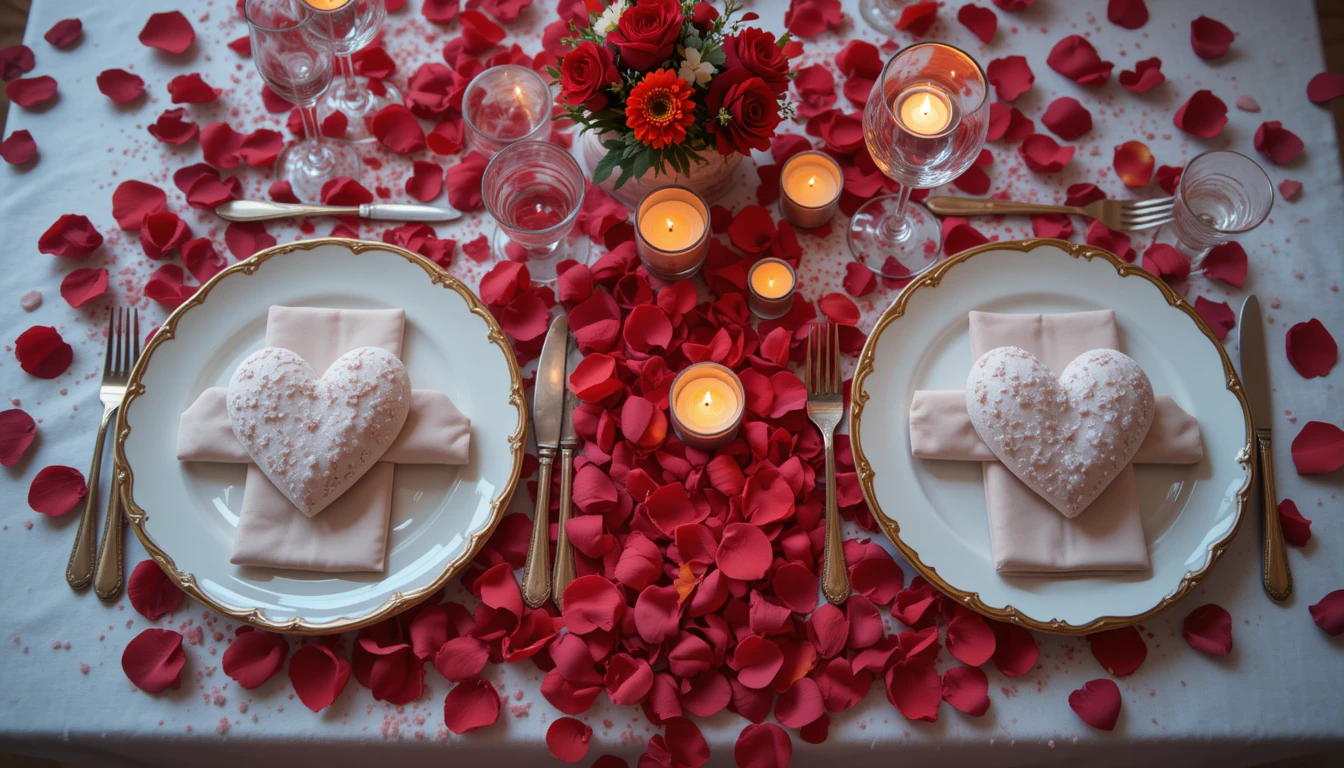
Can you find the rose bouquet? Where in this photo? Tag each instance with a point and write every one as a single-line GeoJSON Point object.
{"type": "Point", "coordinates": [663, 81]}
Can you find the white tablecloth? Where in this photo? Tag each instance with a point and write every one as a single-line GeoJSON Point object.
{"type": "Point", "coordinates": [1281, 691]}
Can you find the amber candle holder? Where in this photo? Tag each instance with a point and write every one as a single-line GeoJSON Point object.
{"type": "Point", "coordinates": [706, 403]}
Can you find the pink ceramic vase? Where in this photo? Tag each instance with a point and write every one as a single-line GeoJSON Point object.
{"type": "Point", "coordinates": [711, 180]}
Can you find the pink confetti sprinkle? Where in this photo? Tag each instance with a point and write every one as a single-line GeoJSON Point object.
{"type": "Point", "coordinates": [83, 668]}
{"type": "Point", "coordinates": [30, 301]}
{"type": "Point", "coordinates": [222, 727]}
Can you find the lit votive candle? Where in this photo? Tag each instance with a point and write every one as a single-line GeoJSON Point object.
{"type": "Point", "coordinates": [326, 5]}
{"type": "Point", "coordinates": [770, 285]}
{"type": "Point", "coordinates": [809, 185]}
{"type": "Point", "coordinates": [672, 233]}
{"type": "Point", "coordinates": [925, 110]}
{"type": "Point", "coordinates": [706, 403]}
{"type": "Point", "coordinates": [503, 105]}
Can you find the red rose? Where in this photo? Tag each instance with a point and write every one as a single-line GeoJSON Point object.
{"type": "Point", "coordinates": [585, 73]}
{"type": "Point", "coordinates": [757, 52]}
{"type": "Point", "coordinates": [743, 112]}
{"type": "Point", "coordinates": [647, 34]}
{"type": "Point", "coordinates": [704, 14]}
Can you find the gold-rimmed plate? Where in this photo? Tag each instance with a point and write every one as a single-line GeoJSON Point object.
{"type": "Point", "coordinates": [186, 513]}
{"type": "Point", "coordinates": [934, 511]}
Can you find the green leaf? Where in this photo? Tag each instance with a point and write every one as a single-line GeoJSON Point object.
{"type": "Point", "coordinates": [624, 177]}
{"type": "Point", "coordinates": [605, 166]}
{"type": "Point", "coordinates": [643, 162]}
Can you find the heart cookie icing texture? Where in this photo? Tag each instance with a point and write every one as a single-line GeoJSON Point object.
{"type": "Point", "coordinates": [315, 437]}
{"type": "Point", "coordinates": [1066, 438]}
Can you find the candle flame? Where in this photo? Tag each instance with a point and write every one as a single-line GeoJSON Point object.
{"type": "Point", "coordinates": [925, 106]}
{"type": "Point", "coordinates": [669, 225]}
{"type": "Point", "coordinates": [812, 182]}
{"type": "Point", "coordinates": [770, 282]}
{"type": "Point", "coordinates": [518, 92]}
{"type": "Point", "coordinates": [709, 399]}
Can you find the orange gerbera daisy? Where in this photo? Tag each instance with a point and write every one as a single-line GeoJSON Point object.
{"type": "Point", "coordinates": [660, 109]}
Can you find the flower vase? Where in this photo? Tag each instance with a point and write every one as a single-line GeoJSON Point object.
{"type": "Point", "coordinates": [711, 179]}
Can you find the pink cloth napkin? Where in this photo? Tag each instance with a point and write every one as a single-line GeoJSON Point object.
{"type": "Point", "coordinates": [1027, 535]}
{"type": "Point", "coordinates": [351, 533]}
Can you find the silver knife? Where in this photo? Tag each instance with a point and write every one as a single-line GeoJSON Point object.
{"type": "Point", "coordinates": [1255, 381]}
{"type": "Point", "coordinates": [265, 210]}
{"type": "Point", "coordinates": [569, 440]}
{"type": "Point", "coordinates": [548, 405]}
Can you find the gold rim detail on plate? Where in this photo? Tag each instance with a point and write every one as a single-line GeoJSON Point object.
{"type": "Point", "coordinates": [399, 601]}
{"type": "Point", "coordinates": [932, 279]}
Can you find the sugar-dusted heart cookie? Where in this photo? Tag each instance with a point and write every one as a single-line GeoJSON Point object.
{"type": "Point", "coordinates": [315, 437]}
{"type": "Point", "coordinates": [1068, 437]}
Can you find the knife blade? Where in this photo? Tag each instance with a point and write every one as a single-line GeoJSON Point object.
{"type": "Point", "coordinates": [1278, 580]}
{"type": "Point", "coordinates": [265, 210]}
{"type": "Point", "coordinates": [569, 440]}
{"type": "Point", "coordinates": [548, 404]}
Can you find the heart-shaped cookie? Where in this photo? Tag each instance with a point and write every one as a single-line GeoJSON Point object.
{"type": "Point", "coordinates": [1067, 438]}
{"type": "Point", "coordinates": [315, 437]}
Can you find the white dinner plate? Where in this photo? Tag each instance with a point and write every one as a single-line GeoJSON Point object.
{"type": "Point", "coordinates": [186, 513]}
{"type": "Point", "coordinates": [935, 512]}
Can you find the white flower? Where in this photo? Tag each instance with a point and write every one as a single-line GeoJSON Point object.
{"type": "Point", "coordinates": [694, 70]}
{"type": "Point", "coordinates": [610, 15]}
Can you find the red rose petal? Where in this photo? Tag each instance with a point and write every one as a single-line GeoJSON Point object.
{"type": "Point", "coordinates": [170, 32]}
{"type": "Point", "coordinates": [628, 680]}
{"type": "Point", "coordinates": [1290, 189]}
{"type": "Point", "coordinates": [1169, 177]}
{"type": "Point", "coordinates": [464, 182]}
{"type": "Point", "coordinates": [1208, 629]}
{"type": "Point", "coordinates": [220, 145]}
{"type": "Point", "coordinates": [916, 690]}
{"type": "Point", "coordinates": [1166, 262]}
{"type": "Point", "coordinates": [254, 657]}
{"type": "Point", "coordinates": [15, 60]}
{"type": "Point", "coordinates": [17, 431]}
{"type": "Point", "coordinates": [815, 86]}
{"type": "Point", "coordinates": [192, 89]}
{"type": "Point", "coordinates": [1296, 528]}
{"type": "Point", "coordinates": [1119, 651]}
{"type": "Point", "coordinates": [1067, 119]}
{"type": "Point", "coordinates": [64, 33]}
{"type": "Point", "coordinates": [1130, 14]}
{"type": "Point", "coordinates": [1043, 154]}
{"type": "Point", "coordinates": [1098, 236]}
{"type": "Point", "coordinates": [966, 689]}
{"type": "Point", "coordinates": [1134, 163]}
{"type": "Point", "coordinates": [757, 661]}
{"type": "Point", "coordinates": [1324, 87]}
{"type": "Point", "coordinates": [1277, 143]}
{"type": "Point", "coordinates": [31, 91]}
{"type": "Point", "coordinates": [471, 705]}
{"type": "Point", "coordinates": [1075, 58]}
{"type": "Point", "coordinates": [1329, 613]}
{"type": "Point", "coordinates": [1226, 262]}
{"type": "Point", "coordinates": [763, 745]}
{"type": "Point", "coordinates": [19, 148]}
{"type": "Point", "coordinates": [970, 639]}
{"type": "Point", "coordinates": [245, 238]}
{"type": "Point", "coordinates": [134, 200]}
{"type": "Point", "coordinates": [1015, 650]}
{"type": "Point", "coordinates": [202, 260]}
{"type": "Point", "coordinates": [172, 127]}
{"type": "Point", "coordinates": [165, 285]}
{"type": "Point", "coordinates": [859, 280]}
{"type": "Point", "coordinates": [958, 235]}
{"type": "Point", "coordinates": [373, 61]}
{"type": "Point", "coordinates": [241, 46]}
{"type": "Point", "coordinates": [461, 658]}
{"type": "Point", "coordinates": [1012, 6]}
{"type": "Point", "coordinates": [917, 18]}
{"type": "Point", "coordinates": [592, 603]}
{"type": "Point", "coordinates": [1203, 115]}
{"type": "Point", "coordinates": [440, 11]}
{"type": "Point", "coordinates": [153, 660]}
{"type": "Point", "coordinates": [1051, 225]}
{"type": "Point", "coordinates": [982, 22]}
{"type": "Point", "coordinates": [1210, 38]}
{"type": "Point", "coordinates": [84, 285]}
{"type": "Point", "coordinates": [567, 739]}
{"type": "Point", "coordinates": [426, 181]}
{"type": "Point", "coordinates": [56, 490]}
{"type": "Point", "coordinates": [42, 352]}
{"type": "Point", "coordinates": [318, 676]}
{"type": "Point", "coordinates": [744, 552]}
{"type": "Point", "coordinates": [1084, 193]}
{"type": "Point", "coordinates": [1011, 76]}
{"type": "Point", "coordinates": [1318, 448]}
{"type": "Point", "coordinates": [397, 129]}
{"type": "Point", "coordinates": [479, 33]}
{"type": "Point", "coordinates": [594, 378]}
{"type": "Point", "coordinates": [809, 19]}
{"type": "Point", "coordinates": [839, 309]}
{"type": "Point", "coordinates": [1097, 703]}
{"type": "Point", "coordinates": [499, 589]}
{"type": "Point", "coordinates": [1311, 349]}
{"type": "Point", "coordinates": [1217, 314]}
{"type": "Point", "coordinates": [657, 613]}
{"type": "Point", "coordinates": [1146, 75]}
{"type": "Point", "coordinates": [800, 704]}
{"type": "Point", "coordinates": [120, 86]}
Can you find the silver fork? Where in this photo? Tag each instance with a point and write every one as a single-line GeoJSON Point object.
{"type": "Point", "coordinates": [825, 407]}
{"type": "Point", "coordinates": [122, 338]}
{"type": "Point", "coordinates": [1120, 215]}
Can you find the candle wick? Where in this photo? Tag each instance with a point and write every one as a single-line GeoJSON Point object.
{"type": "Point", "coordinates": [709, 400]}
{"type": "Point", "coordinates": [925, 106]}
{"type": "Point", "coordinates": [669, 225]}
{"type": "Point", "coordinates": [812, 182]}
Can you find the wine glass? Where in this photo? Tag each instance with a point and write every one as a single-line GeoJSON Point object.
{"type": "Point", "coordinates": [1222, 194]}
{"type": "Point", "coordinates": [506, 104]}
{"type": "Point", "coordinates": [297, 70]}
{"type": "Point", "coordinates": [924, 125]}
{"type": "Point", "coordinates": [346, 26]}
{"type": "Point", "coordinates": [534, 190]}
{"type": "Point", "coordinates": [881, 14]}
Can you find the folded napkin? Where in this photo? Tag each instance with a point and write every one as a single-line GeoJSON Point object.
{"type": "Point", "coordinates": [351, 533]}
{"type": "Point", "coordinates": [1028, 535]}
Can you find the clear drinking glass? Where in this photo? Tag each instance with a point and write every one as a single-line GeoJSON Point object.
{"type": "Point", "coordinates": [881, 14]}
{"type": "Point", "coordinates": [534, 191]}
{"type": "Point", "coordinates": [503, 105]}
{"type": "Point", "coordinates": [1222, 194]}
{"type": "Point", "coordinates": [346, 26]}
{"type": "Point", "coordinates": [285, 54]}
{"type": "Point", "coordinates": [924, 125]}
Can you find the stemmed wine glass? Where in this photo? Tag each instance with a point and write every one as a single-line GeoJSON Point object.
{"type": "Point", "coordinates": [924, 125]}
{"type": "Point", "coordinates": [881, 15]}
{"type": "Point", "coordinates": [346, 26]}
{"type": "Point", "coordinates": [1222, 194]}
{"type": "Point", "coordinates": [284, 52]}
{"type": "Point", "coordinates": [534, 190]}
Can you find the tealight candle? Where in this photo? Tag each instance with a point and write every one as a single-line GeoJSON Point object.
{"type": "Point", "coordinates": [504, 105]}
{"type": "Point", "coordinates": [925, 110]}
{"type": "Point", "coordinates": [706, 402]}
{"type": "Point", "coordinates": [809, 185]}
{"type": "Point", "coordinates": [770, 285]}
{"type": "Point", "coordinates": [672, 232]}
{"type": "Point", "coordinates": [326, 5]}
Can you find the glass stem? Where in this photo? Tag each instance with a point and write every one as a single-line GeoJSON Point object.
{"type": "Point", "coordinates": [312, 129]}
{"type": "Point", "coordinates": [349, 86]}
{"type": "Point", "coordinates": [1199, 259]}
{"type": "Point", "coordinates": [895, 226]}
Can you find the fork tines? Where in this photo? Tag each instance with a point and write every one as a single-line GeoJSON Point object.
{"type": "Point", "coordinates": [1144, 214]}
{"type": "Point", "coordinates": [123, 343]}
{"type": "Point", "coordinates": [821, 366]}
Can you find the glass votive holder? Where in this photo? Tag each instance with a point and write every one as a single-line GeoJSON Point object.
{"type": "Point", "coordinates": [770, 288]}
{"type": "Point", "coordinates": [706, 403]}
{"type": "Point", "coordinates": [504, 105]}
{"type": "Point", "coordinates": [809, 189]}
{"type": "Point", "coordinates": [534, 190]}
{"type": "Point", "coordinates": [672, 232]}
